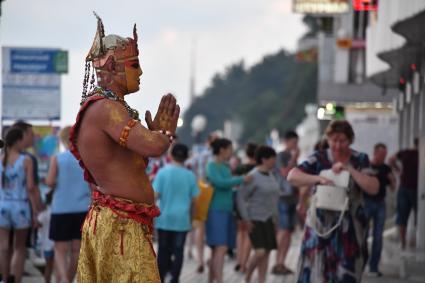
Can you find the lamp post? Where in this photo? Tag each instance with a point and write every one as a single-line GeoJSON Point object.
{"type": "Point", "coordinates": [199, 122]}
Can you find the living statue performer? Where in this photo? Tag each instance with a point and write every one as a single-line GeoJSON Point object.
{"type": "Point", "coordinates": [113, 146]}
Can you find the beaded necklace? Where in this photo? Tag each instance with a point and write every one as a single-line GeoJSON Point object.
{"type": "Point", "coordinates": [108, 94]}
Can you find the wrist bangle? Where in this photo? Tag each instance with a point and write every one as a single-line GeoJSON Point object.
{"type": "Point", "coordinates": [169, 135]}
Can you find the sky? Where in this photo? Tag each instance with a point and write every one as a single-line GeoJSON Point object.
{"type": "Point", "coordinates": [221, 32]}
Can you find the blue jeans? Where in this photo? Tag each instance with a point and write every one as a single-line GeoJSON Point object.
{"type": "Point", "coordinates": [407, 199]}
{"type": "Point", "coordinates": [375, 211]}
{"type": "Point", "coordinates": [170, 253]}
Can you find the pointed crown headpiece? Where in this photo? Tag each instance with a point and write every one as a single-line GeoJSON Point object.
{"type": "Point", "coordinates": [104, 46]}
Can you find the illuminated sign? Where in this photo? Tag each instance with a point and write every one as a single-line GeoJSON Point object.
{"type": "Point", "coordinates": [321, 7]}
{"type": "Point", "coordinates": [330, 111]}
{"type": "Point", "coordinates": [365, 5]}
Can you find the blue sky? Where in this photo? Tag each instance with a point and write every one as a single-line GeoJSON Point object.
{"type": "Point", "coordinates": [225, 32]}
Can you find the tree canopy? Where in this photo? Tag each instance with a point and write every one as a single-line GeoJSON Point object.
{"type": "Point", "coordinates": [270, 95]}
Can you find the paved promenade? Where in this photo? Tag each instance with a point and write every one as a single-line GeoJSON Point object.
{"type": "Point", "coordinates": [390, 266]}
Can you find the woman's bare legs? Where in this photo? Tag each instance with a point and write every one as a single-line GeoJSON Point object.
{"type": "Point", "coordinates": [211, 275]}
{"type": "Point", "coordinates": [255, 261]}
{"type": "Point", "coordinates": [246, 250]}
{"type": "Point", "coordinates": [18, 257]}
{"type": "Point", "coordinates": [200, 243]}
{"type": "Point", "coordinates": [218, 262]}
{"type": "Point", "coordinates": [284, 242]}
{"type": "Point", "coordinates": [61, 260]}
{"type": "Point", "coordinates": [4, 252]}
{"type": "Point", "coordinates": [73, 263]}
{"type": "Point", "coordinates": [262, 268]}
{"type": "Point", "coordinates": [243, 247]}
{"type": "Point", "coordinates": [48, 270]}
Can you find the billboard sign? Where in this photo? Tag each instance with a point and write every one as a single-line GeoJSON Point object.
{"type": "Point", "coordinates": [31, 83]}
{"type": "Point", "coordinates": [40, 61]}
{"type": "Point", "coordinates": [321, 7]}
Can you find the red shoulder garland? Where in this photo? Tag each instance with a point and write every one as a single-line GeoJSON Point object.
{"type": "Point", "coordinates": [74, 134]}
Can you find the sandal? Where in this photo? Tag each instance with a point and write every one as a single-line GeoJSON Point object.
{"type": "Point", "coordinates": [280, 269]}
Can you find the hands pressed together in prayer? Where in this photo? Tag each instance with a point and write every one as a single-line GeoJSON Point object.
{"type": "Point", "coordinates": [166, 117]}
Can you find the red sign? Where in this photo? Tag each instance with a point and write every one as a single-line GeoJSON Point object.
{"type": "Point", "coordinates": [365, 5]}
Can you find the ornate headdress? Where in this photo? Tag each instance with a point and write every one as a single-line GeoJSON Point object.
{"type": "Point", "coordinates": [103, 47]}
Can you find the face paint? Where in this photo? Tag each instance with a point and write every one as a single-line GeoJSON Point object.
{"type": "Point", "coordinates": [132, 74]}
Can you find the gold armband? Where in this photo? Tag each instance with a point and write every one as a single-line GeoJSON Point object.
{"type": "Point", "coordinates": [126, 132]}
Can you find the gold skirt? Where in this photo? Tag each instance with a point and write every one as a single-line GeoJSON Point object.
{"type": "Point", "coordinates": [115, 249]}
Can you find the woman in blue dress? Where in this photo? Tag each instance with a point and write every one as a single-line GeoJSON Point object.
{"type": "Point", "coordinates": [340, 256]}
{"type": "Point", "coordinates": [18, 205]}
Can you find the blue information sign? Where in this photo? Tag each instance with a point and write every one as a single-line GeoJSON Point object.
{"type": "Point", "coordinates": [41, 61]}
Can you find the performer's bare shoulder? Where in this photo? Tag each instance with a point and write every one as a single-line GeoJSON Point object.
{"type": "Point", "coordinates": [118, 171]}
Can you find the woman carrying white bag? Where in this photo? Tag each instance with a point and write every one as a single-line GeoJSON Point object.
{"type": "Point", "coordinates": [334, 246]}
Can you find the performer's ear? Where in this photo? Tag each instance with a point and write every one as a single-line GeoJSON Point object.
{"type": "Point", "coordinates": [110, 64]}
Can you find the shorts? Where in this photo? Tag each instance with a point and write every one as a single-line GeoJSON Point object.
{"type": "Point", "coordinates": [287, 216]}
{"type": "Point", "coordinates": [15, 214]}
{"type": "Point", "coordinates": [49, 255]}
{"type": "Point", "coordinates": [221, 229]}
{"type": "Point", "coordinates": [407, 200]}
{"type": "Point", "coordinates": [263, 235]}
{"type": "Point", "coordinates": [66, 227]}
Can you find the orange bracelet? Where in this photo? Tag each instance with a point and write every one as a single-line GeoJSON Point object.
{"type": "Point", "coordinates": [126, 132]}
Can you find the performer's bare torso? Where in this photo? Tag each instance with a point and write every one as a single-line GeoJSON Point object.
{"type": "Point", "coordinates": [118, 171]}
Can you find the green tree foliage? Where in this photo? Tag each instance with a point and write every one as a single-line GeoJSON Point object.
{"type": "Point", "coordinates": [271, 94]}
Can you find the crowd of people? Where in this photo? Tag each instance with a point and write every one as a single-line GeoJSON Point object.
{"type": "Point", "coordinates": [119, 182]}
{"type": "Point", "coordinates": [254, 207]}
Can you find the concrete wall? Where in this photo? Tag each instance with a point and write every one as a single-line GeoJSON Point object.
{"type": "Point", "coordinates": [373, 126]}
{"type": "Point", "coordinates": [421, 189]}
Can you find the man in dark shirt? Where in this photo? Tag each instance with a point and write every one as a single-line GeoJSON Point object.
{"type": "Point", "coordinates": [406, 162]}
{"type": "Point", "coordinates": [375, 204]}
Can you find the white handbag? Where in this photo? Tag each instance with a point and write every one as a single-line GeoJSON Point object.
{"type": "Point", "coordinates": [333, 198]}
